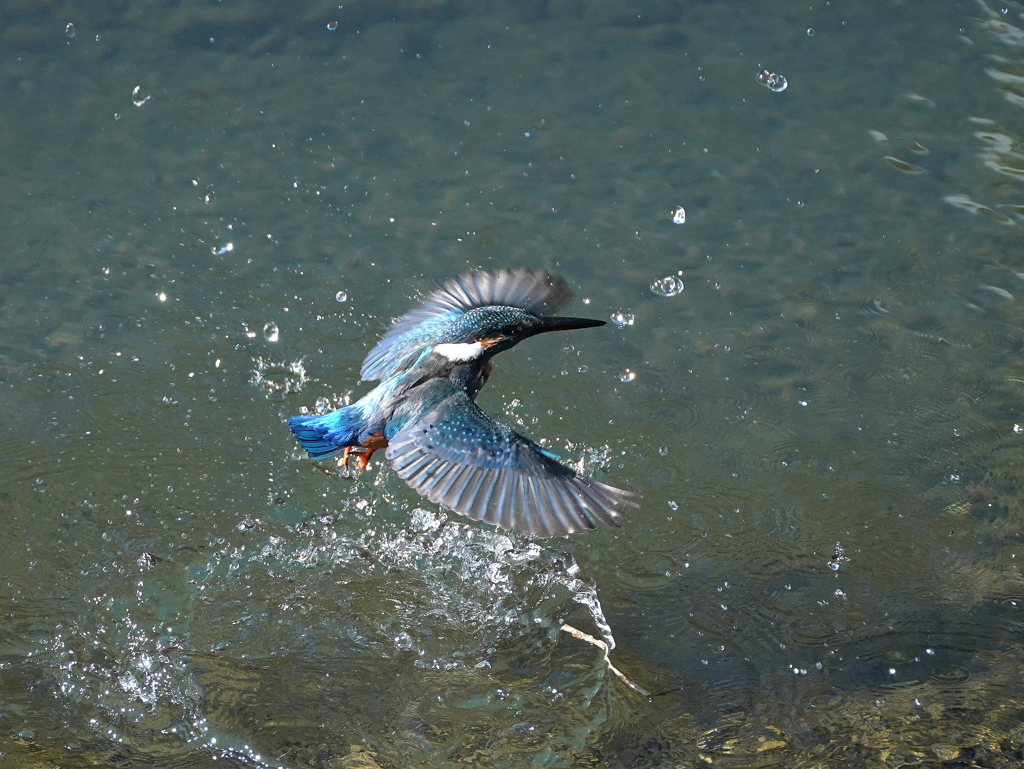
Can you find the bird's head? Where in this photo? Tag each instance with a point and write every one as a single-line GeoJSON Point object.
{"type": "Point", "coordinates": [483, 332]}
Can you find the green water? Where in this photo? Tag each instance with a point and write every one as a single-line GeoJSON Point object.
{"type": "Point", "coordinates": [825, 424]}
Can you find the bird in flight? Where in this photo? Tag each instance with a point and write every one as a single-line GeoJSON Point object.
{"type": "Point", "coordinates": [431, 364]}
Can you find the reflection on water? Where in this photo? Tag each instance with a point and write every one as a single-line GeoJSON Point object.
{"type": "Point", "coordinates": [813, 375]}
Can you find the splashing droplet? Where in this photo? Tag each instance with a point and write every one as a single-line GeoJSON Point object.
{"type": "Point", "coordinates": [679, 215]}
{"type": "Point", "coordinates": [332, 25]}
{"type": "Point", "coordinates": [271, 332]}
{"type": "Point", "coordinates": [627, 376]}
{"type": "Point", "coordinates": [341, 296]}
{"type": "Point", "coordinates": [623, 319]}
{"type": "Point", "coordinates": [279, 377]}
{"type": "Point", "coordinates": [139, 97]}
{"type": "Point", "coordinates": [70, 29]}
{"type": "Point", "coordinates": [663, 451]}
{"type": "Point", "coordinates": [670, 285]}
{"type": "Point", "coordinates": [772, 81]}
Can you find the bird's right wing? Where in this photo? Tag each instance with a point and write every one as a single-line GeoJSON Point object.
{"type": "Point", "coordinates": [460, 458]}
{"type": "Point", "coordinates": [533, 290]}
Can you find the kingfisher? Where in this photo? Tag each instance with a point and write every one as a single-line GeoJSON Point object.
{"type": "Point", "coordinates": [431, 365]}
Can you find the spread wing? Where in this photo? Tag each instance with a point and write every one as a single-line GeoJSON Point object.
{"type": "Point", "coordinates": [533, 290]}
{"type": "Point", "coordinates": [460, 458]}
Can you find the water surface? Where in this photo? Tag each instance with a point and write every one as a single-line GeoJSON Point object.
{"type": "Point", "coordinates": [213, 210]}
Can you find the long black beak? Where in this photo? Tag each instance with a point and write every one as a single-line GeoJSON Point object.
{"type": "Point", "coordinates": [552, 323]}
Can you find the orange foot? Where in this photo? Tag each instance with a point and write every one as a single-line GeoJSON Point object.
{"type": "Point", "coordinates": [361, 455]}
{"type": "Point", "coordinates": [364, 452]}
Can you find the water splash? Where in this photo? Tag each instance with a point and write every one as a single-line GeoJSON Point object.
{"type": "Point", "coordinates": [622, 319]}
{"type": "Point", "coordinates": [279, 377]}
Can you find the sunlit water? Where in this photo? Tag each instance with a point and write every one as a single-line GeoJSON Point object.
{"type": "Point", "coordinates": [813, 373]}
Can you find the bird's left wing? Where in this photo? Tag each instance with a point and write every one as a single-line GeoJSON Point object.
{"type": "Point", "coordinates": [458, 457]}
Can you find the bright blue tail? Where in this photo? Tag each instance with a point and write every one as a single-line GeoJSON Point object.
{"type": "Point", "coordinates": [326, 435]}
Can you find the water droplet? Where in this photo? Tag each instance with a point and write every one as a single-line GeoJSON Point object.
{"type": "Point", "coordinates": [70, 29]}
{"type": "Point", "coordinates": [670, 285]}
{"type": "Point", "coordinates": [679, 215]}
{"type": "Point", "coordinates": [622, 319]}
{"type": "Point", "coordinates": [271, 332]}
{"type": "Point", "coordinates": [771, 80]}
{"type": "Point", "coordinates": [279, 377]}
{"type": "Point", "coordinates": [810, 32]}
{"type": "Point", "coordinates": [332, 25]}
{"type": "Point", "coordinates": [627, 376]}
{"type": "Point", "coordinates": [139, 97]}
{"type": "Point", "coordinates": [673, 505]}
{"type": "Point", "coordinates": [662, 451]}
{"type": "Point", "coordinates": [341, 296]}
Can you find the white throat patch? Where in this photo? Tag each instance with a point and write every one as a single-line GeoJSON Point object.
{"type": "Point", "coordinates": [460, 353]}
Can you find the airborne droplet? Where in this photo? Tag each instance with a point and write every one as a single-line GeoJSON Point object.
{"type": "Point", "coordinates": [622, 319]}
{"type": "Point", "coordinates": [670, 285]}
{"type": "Point", "coordinates": [271, 332]}
{"type": "Point", "coordinates": [771, 80]}
{"type": "Point", "coordinates": [139, 97]}
{"type": "Point", "coordinates": [341, 296]}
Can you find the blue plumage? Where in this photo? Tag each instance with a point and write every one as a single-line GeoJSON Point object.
{"type": "Point", "coordinates": [327, 434]}
{"type": "Point", "coordinates": [431, 364]}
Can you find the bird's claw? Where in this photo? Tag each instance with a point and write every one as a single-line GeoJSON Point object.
{"type": "Point", "coordinates": [361, 455]}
